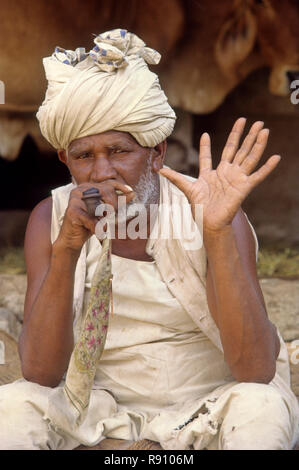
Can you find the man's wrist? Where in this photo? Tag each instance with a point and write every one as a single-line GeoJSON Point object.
{"type": "Point", "coordinates": [212, 237]}
{"type": "Point", "coordinates": [61, 251]}
{"type": "Point", "coordinates": [220, 245]}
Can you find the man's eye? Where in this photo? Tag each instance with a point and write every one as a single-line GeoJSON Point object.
{"type": "Point", "coordinates": [118, 151]}
{"type": "Point", "coordinates": [84, 155]}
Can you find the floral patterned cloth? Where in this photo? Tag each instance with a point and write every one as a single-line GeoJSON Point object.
{"type": "Point", "coordinates": [90, 345]}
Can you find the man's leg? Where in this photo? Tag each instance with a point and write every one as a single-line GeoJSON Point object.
{"type": "Point", "coordinates": [23, 406]}
{"type": "Point", "coordinates": [257, 418]}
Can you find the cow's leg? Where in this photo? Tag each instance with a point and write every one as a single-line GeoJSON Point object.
{"type": "Point", "coordinates": [12, 132]}
{"type": "Point", "coordinates": [14, 127]}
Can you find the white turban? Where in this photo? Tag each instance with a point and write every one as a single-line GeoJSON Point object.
{"type": "Point", "coordinates": [107, 88]}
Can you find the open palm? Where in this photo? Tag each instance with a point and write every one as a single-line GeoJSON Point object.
{"type": "Point", "coordinates": [222, 191]}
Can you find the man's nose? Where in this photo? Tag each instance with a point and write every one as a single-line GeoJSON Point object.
{"type": "Point", "coordinates": [102, 169]}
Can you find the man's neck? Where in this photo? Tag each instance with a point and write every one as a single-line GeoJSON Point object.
{"type": "Point", "coordinates": [132, 249]}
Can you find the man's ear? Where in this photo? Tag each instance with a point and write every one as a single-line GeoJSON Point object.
{"type": "Point", "coordinates": [159, 156]}
{"type": "Point", "coordinates": [62, 155]}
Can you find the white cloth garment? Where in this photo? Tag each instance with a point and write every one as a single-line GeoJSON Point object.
{"type": "Point", "coordinates": [162, 375]}
{"type": "Point", "coordinates": [170, 266]}
{"type": "Point", "coordinates": [155, 356]}
{"type": "Point", "coordinates": [108, 88]}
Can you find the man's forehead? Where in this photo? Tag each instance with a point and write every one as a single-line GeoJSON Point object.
{"type": "Point", "coordinates": [106, 138]}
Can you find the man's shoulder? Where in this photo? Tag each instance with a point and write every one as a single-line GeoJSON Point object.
{"type": "Point", "coordinates": [62, 191]}
{"type": "Point", "coordinates": [39, 224]}
{"type": "Point", "coordinates": [43, 210]}
{"type": "Point", "coordinates": [60, 197]}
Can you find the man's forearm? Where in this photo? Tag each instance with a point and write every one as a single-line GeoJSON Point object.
{"type": "Point", "coordinates": [249, 339]}
{"type": "Point", "coordinates": [46, 341]}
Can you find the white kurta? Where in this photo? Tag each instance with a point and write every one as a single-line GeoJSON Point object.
{"type": "Point", "coordinates": [155, 356]}
{"type": "Point", "coordinates": [161, 377]}
{"type": "Point", "coordinates": [165, 377]}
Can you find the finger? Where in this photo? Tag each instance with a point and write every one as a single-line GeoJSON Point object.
{"type": "Point", "coordinates": [109, 191]}
{"type": "Point", "coordinates": [251, 161]}
{"type": "Point", "coordinates": [103, 186]}
{"type": "Point", "coordinates": [77, 205]}
{"type": "Point", "coordinates": [233, 140]}
{"type": "Point", "coordinates": [177, 179]}
{"type": "Point", "coordinates": [205, 157]}
{"type": "Point", "coordinates": [125, 188]}
{"type": "Point", "coordinates": [129, 197]}
{"type": "Point", "coordinates": [258, 176]}
{"type": "Point", "coordinates": [122, 194]}
{"type": "Point", "coordinates": [125, 199]}
{"type": "Point", "coordinates": [84, 220]}
{"type": "Point", "coordinates": [248, 142]}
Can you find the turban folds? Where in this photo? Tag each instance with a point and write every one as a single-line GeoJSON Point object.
{"type": "Point", "coordinates": [107, 88]}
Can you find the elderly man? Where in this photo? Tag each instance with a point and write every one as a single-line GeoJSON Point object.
{"type": "Point", "coordinates": [180, 350]}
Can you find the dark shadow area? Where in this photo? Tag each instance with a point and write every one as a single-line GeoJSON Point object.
{"type": "Point", "coordinates": [30, 178]}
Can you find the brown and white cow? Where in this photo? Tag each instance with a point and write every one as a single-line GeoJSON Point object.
{"type": "Point", "coordinates": [31, 29]}
{"type": "Point", "coordinates": [225, 41]}
{"type": "Point", "coordinates": [208, 48]}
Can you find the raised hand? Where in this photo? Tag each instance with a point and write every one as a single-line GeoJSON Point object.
{"type": "Point", "coordinates": [222, 191]}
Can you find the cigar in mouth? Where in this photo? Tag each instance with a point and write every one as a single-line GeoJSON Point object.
{"type": "Point", "coordinates": [119, 192]}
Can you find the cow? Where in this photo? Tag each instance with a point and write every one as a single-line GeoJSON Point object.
{"type": "Point", "coordinates": [30, 30]}
{"type": "Point", "coordinates": [224, 43]}
{"type": "Point", "coordinates": [207, 48]}
{"type": "Point", "coordinates": [278, 38]}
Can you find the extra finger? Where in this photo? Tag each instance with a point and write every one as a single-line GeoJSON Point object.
{"type": "Point", "coordinates": [233, 140]}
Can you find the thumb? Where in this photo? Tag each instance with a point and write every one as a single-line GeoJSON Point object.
{"type": "Point", "coordinates": [177, 179]}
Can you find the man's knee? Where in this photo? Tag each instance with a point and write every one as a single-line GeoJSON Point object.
{"type": "Point", "coordinates": [257, 418]}
{"type": "Point", "coordinates": [257, 394]}
{"type": "Point", "coordinates": [18, 396]}
{"type": "Point", "coordinates": [22, 407]}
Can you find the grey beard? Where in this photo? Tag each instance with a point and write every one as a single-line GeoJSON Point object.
{"type": "Point", "coordinates": [147, 192]}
